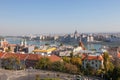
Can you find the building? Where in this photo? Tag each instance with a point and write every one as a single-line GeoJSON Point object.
{"type": "Point", "coordinates": [65, 53]}
{"type": "Point", "coordinates": [118, 54]}
{"type": "Point", "coordinates": [95, 61]}
{"type": "Point", "coordinates": [78, 49]}
{"type": "Point", "coordinates": [27, 60]}
{"type": "Point", "coordinates": [3, 43]}
{"type": "Point", "coordinates": [30, 48]}
{"type": "Point", "coordinates": [23, 42]}
{"type": "Point", "coordinates": [45, 50]}
{"type": "Point", "coordinates": [90, 38]}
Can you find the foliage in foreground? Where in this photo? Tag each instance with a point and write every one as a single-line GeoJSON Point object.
{"type": "Point", "coordinates": [11, 63]}
{"type": "Point", "coordinates": [45, 64]}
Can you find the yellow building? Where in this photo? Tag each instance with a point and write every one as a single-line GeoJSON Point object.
{"type": "Point", "coordinates": [48, 51]}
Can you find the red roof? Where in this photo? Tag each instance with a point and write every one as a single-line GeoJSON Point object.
{"type": "Point", "coordinates": [118, 55]}
{"type": "Point", "coordinates": [36, 57]}
{"type": "Point", "coordinates": [1, 54]}
{"type": "Point", "coordinates": [91, 57]}
{"type": "Point", "coordinates": [54, 58]}
{"type": "Point", "coordinates": [22, 56]}
{"type": "Point", "coordinates": [82, 45]}
{"type": "Point", "coordinates": [7, 55]}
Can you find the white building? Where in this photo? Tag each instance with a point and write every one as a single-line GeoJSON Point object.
{"type": "Point", "coordinates": [95, 61]}
{"type": "Point", "coordinates": [23, 42]}
{"type": "Point", "coordinates": [77, 50]}
{"type": "Point", "coordinates": [90, 38]}
{"type": "Point", "coordinates": [30, 49]}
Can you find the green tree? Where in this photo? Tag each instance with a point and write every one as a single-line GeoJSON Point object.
{"type": "Point", "coordinates": [108, 66]}
{"type": "Point", "coordinates": [70, 68]}
{"type": "Point", "coordinates": [106, 61]}
{"type": "Point", "coordinates": [116, 61]}
{"type": "Point", "coordinates": [66, 59]}
{"type": "Point", "coordinates": [71, 54]}
{"type": "Point", "coordinates": [11, 63]}
{"type": "Point", "coordinates": [116, 73]}
{"type": "Point", "coordinates": [58, 66]}
{"type": "Point", "coordinates": [76, 61]}
{"type": "Point", "coordinates": [43, 63]}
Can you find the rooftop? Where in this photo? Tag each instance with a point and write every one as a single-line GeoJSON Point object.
{"type": "Point", "coordinates": [118, 55]}
{"type": "Point", "coordinates": [92, 57]}
{"type": "Point", "coordinates": [34, 57]}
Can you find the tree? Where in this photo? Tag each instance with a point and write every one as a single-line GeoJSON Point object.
{"type": "Point", "coordinates": [43, 63]}
{"type": "Point", "coordinates": [116, 61]}
{"type": "Point", "coordinates": [116, 73]}
{"type": "Point", "coordinates": [58, 66]}
{"type": "Point", "coordinates": [108, 66]}
{"type": "Point", "coordinates": [70, 68]}
{"type": "Point", "coordinates": [106, 61]}
{"type": "Point", "coordinates": [76, 61]}
{"type": "Point", "coordinates": [11, 63]}
{"type": "Point", "coordinates": [66, 59]}
{"type": "Point", "coordinates": [71, 54]}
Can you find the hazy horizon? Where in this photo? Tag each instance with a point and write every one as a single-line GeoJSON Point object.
{"type": "Point", "coordinates": [20, 17]}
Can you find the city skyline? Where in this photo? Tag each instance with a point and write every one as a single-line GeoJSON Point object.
{"type": "Point", "coordinates": [58, 16]}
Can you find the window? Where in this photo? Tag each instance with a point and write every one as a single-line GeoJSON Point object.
{"type": "Point", "coordinates": [95, 60]}
{"type": "Point", "coordinates": [96, 65]}
{"type": "Point", "coordinates": [100, 62]}
{"type": "Point", "coordinates": [88, 60]}
{"type": "Point", "coordinates": [92, 62]}
{"type": "Point", "coordinates": [83, 63]}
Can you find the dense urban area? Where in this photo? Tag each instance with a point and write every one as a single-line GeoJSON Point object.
{"type": "Point", "coordinates": [76, 56]}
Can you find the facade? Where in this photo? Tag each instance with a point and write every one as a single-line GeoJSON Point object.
{"type": "Point", "coordinates": [27, 60]}
{"type": "Point", "coordinates": [30, 49]}
{"type": "Point", "coordinates": [90, 38]}
{"type": "Point", "coordinates": [95, 61]}
{"type": "Point", "coordinates": [65, 53]}
{"type": "Point", "coordinates": [3, 43]}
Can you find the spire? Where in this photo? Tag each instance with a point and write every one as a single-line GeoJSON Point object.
{"type": "Point", "coordinates": [75, 32]}
{"type": "Point", "coordinates": [82, 45]}
{"type": "Point", "coordinates": [21, 43]}
{"type": "Point", "coordinates": [1, 43]}
{"type": "Point", "coordinates": [25, 42]}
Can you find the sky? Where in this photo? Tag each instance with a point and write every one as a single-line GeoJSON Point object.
{"type": "Point", "coordinates": [20, 17]}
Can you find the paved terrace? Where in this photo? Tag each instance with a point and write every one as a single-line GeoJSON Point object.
{"type": "Point", "coordinates": [30, 74]}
